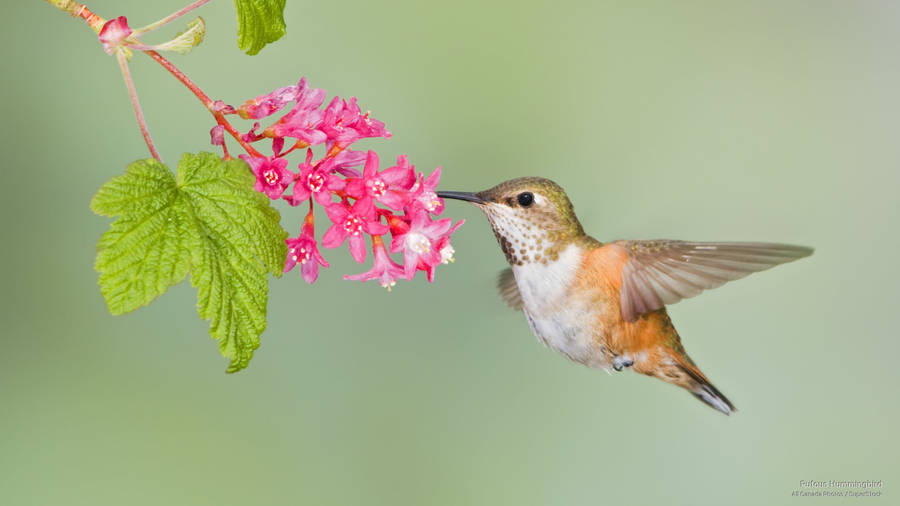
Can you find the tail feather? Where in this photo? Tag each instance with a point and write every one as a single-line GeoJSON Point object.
{"type": "Point", "coordinates": [702, 389]}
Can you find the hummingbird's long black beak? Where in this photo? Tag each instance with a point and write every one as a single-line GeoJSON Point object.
{"type": "Point", "coordinates": [467, 196]}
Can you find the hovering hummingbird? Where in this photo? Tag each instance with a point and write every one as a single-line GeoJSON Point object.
{"type": "Point", "coordinates": [603, 305]}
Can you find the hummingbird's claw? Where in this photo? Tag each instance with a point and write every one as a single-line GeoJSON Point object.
{"type": "Point", "coordinates": [622, 362]}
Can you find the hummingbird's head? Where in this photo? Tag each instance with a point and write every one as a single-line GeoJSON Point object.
{"type": "Point", "coordinates": [532, 218]}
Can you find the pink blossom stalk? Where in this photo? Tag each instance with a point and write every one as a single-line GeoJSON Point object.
{"type": "Point", "coordinates": [396, 202]}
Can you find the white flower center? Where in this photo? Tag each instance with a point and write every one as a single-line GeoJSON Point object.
{"type": "Point", "coordinates": [353, 225]}
{"type": "Point", "coordinates": [429, 200]}
{"type": "Point", "coordinates": [418, 243]}
{"type": "Point", "coordinates": [301, 254]}
{"type": "Point", "coordinates": [315, 182]}
{"type": "Point", "coordinates": [376, 187]}
{"type": "Point", "coordinates": [271, 177]}
{"type": "Point", "coordinates": [447, 254]}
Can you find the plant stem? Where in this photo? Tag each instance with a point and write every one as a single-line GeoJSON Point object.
{"type": "Point", "coordinates": [170, 18]}
{"type": "Point", "coordinates": [208, 102]}
{"type": "Point", "coordinates": [135, 103]}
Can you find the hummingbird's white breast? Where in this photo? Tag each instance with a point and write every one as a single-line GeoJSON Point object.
{"type": "Point", "coordinates": [560, 318]}
{"type": "Point", "coordinates": [545, 272]}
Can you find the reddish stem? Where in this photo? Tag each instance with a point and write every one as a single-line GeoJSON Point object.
{"type": "Point", "coordinates": [138, 112]}
{"type": "Point", "coordinates": [208, 102]}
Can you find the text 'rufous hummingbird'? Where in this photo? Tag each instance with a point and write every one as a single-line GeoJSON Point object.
{"type": "Point", "coordinates": [603, 305]}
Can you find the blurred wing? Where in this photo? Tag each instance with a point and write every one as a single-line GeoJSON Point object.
{"type": "Point", "coordinates": [509, 290]}
{"type": "Point", "coordinates": [664, 272]}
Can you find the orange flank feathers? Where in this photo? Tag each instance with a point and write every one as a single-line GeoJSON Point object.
{"type": "Point", "coordinates": [650, 345]}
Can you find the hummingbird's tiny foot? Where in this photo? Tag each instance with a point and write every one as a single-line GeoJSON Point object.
{"type": "Point", "coordinates": [622, 362]}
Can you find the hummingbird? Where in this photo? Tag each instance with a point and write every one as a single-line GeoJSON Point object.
{"type": "Point", "coordinates": [604, 304]}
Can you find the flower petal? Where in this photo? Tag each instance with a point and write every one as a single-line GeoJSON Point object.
{"type": "Point", "coordinates": [310, 272]}
{"type": "Point", "coordinates": [375, 228]}
{"type": "Point", "coordinates": [371, 167]}
{"type": "Point", "coordinates": [357, 248]}
{"type": "Point", "coordinates": [323, 198]}
{"type": "Point", "coordinates": [363, 207]}
{"type": "Point", "coordinates": [356, 188]}
{"type": "Point", "coordinates": [402, 177]}
{"type": "Point", "coordinates": [337, 212]}
{"type": "Point", "coordinates": [334, 237]}
{"type": "Point", "coordinates": [394, 199]}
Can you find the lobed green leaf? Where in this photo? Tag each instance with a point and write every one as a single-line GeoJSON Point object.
{"type": "Point", "coordinates": [209, 221]}
{"type": "Point", "coordinates": [260, 22]}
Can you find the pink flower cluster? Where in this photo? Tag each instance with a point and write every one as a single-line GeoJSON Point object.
{"type": "Point", "coordinates": [396, 200]}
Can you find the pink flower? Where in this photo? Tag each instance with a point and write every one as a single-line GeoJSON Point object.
{"type": "Point", "coordinates": [346, 159]}
{"type": "Point", "coordinates": [308, 98]}
{"type": "Point", "coordinates": [114, 33]}
{"type": "Point", "coordinates": [385, 270]}
{"type": "Point", "coordinates": [425, 196]}
{"type": "Point", "coordinates": [316, 181]}
{"type": "Point", "coordinates": [252, 135]}
{"type": "Point", "coordinates": [390, 187]}
{"type": "Point", "coordinates": [265, 105]}
{"type": "Point", "coordinates": [367, 126]}
{"type": "Point", "coordinates": [277, 145]}
{"type": "Point", "coordinates": [271, 176]}
{"type": "Point", "coordinates": [446, 251]}
{"type": "Point", "coordinates": [217, 135]}
{"type": "Point", "coordinates": [302, 125]}
{"type": "Point", "coordinates": [303, 120]}
{"type": "Point", "coordinates": [352, 222]}
{"type": "Point", "coordinates": [344, 124]}
{"type": "Point", "coordinates": [220, 106]}
{"type": "Point", "coordinates": [338, 121]}
{"type": "Point", "coordinates": [303, 251]}
{"type": "Point", "coordinates": [419, 243]}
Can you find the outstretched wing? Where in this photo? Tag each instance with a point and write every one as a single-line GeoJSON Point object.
{"type": "Point", "coordinates": [508, 289]}
{"type": "Point", "coordinates": [664, 272]}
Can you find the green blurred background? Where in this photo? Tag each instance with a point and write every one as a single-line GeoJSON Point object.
{"type": "Point", "coordinates": [771, 121]}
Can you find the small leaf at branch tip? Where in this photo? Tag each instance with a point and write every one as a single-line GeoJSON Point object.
{"type": "Point", "coordinates": [187, 40]}
{"type": "Point", "coordinates": [207, 221]}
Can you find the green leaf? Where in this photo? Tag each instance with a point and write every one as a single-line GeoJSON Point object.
{"type": "Point", "coordinates": [208, 221]}
{"type": "Point", "coordinates": [146, 187]}
{"type": "Point", "coordinates": [146, 250]}
{"type": "Point", "coordinates": [260, 22]}
{"type": "Point", "coordinates": [187, 40]}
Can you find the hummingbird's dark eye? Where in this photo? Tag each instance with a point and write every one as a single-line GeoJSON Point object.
{"type": "Point", "coordinates": [525, 199]}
